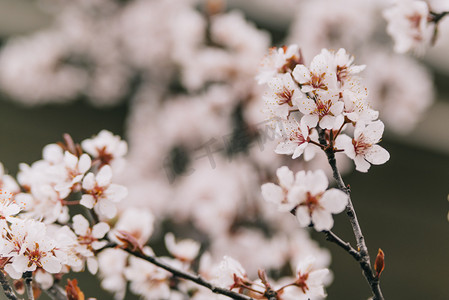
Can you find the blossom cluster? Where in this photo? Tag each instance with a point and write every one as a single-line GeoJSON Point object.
{"type": "Point", "coordinates": [38, 233]}
{"type": "Point", "coordinates": [306, 195]}
{"type": "Point", "coordinates": [327, 97]}
{"type": "Point", "coordinates": [42, 235]}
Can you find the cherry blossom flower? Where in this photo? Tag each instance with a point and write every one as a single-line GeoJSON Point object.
{"type": "Point", "coordinates": [229, 274]}
{"type": "Point", "coordinates": [296, 140]}
{"type": "Point", "coordinates": [281, 60]}
{"type": "Point", "coordinates": [323, 110]}
{"type": "Point", "coordinates": [100, 193]}
{"type": "Point", "coordinates": [408, 24]}
{"type": "Point", "coordinates": [356, 104]}
{"type": "Point", "coordinates": [320, 78]}
{"type": "Point", "coordinates": [138, 222]}
{"type": "Point", "coordinates": [313, 202]}
{"type": "Point", "coordinates": [7, 182]}
{"type": "Point", "coordinates": [112, 264]}
{"type": "Point", "coordinates": [343, 64]}
{"type": "Point", "coordinates": [72, 171]}
{"type": "Point", "coordinates": [278, 194]}
{"type": "Point", "coordinates": [30, 249]}
{"type": "Point", "coordinates": [283, 96]}
{"type": "Point", "coordinates": [308, 283]}
{"type": "Point", "coordinates": [107, 148]}
{"type": "Point", "coordinates": [363, 148]}
{"type": "Point", "coordinates": [184, 250]}
{"type": "Point", "coordinates": [89, 239]}
{"type": "Point", "coordinates": [8, 207]}
{"type": "Point", "coordinates": [148, 280]}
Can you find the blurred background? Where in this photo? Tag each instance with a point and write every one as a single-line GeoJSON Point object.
{"type": "Point", "coordinates": [151, 73]}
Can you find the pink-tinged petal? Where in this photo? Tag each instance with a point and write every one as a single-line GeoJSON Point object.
{"type": "Point", "coordinates": [306, 265]}
{"type": "Point", "coordinates": [285, 176]}
{"type": "Point", "coordinates": [107, 208]}
{"type": "Point", "coordinates": [373, 132]}
{"type": "Point", "coordinates": [307, 88]}
{"type": "Point", "coordinates": [297, 195]}
{"type": "Point", "coordinates": [307, 106]}
{"type": "Point", "coordinates": [309, 152]}
{"type": "Point", "coordinates": [44, 279]}
{"type": "Point", "coordinates": [70, 160]}
{"type": "Point", "coordinates": [286, 148]}
{"type": "Point", "coordinates": [92, 265]}
{"type": "Point", "coordinates": [320, 64]}
{"type": "Point", "coordinates": [11, 209]}
{"type": "Point", "coordinates": [89, 181]}
{"type": "Point", "coordinates": [377, 155]}
{"type": "Point", "coordinates": [337, 108]}
{"type": "Point", "coordinates": [301, 74]}
{"type": "Point", "coordinates": [327, 122]}
{"type": "Point", "coordinates": [357, 69]}
{"type": "Point", "coordinates": [84, 163]}
{"type": "Point", "coordinates": [272, 193]}
{"type": "Point", "coordinates": [302, 214]}
{"type": "Point", "coordinates": [361, 164]}
{"type": "Point", "coordinates": [12, 272]}
{"type": "Point", "coordinates": [280, 110]}
{"type": "Point", "coordinates": [358, 130]}
{"type": "Point", "coordinates": [20, 264]}
{"type": "Point", "coordinates": [322, 220]}
{"type": "Point", "coordinates": [116, 192]}
{"type": "Point", "coordinates": [51, 264]}
{"type": "Point", "coordinates": [317, 182]}
{"type": "Point", "coordinates": [104, 176]}
{"type": "Point", "coordinates": [317, 277]}
{"type": "Point", "coordinates": [334, 201]}
{"type": "Point", "coordinates": [99, 230]}
{"type": "Point", "coordinates": [87, 201]}
{"type": "Point", "coordinates": [98, 244]}
{"type": "Point", "coordinates": [299, 150]}
{"type": "Point", "coordinates": [80, 224]}
{"type": "Point", "coordinates": [310, 120]}
{"type": "Point", "coordinates": [339, 120]}
{"type": "Point", "coordinates": [300, 178]}
{"type": "Point", "coordinates": [344, 142]}
{"type": "Point", "coordinates": [52, 153]}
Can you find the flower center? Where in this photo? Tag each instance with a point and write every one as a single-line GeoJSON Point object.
{"type": "Point", "coordinates": [317, 81]}
{"type": "Point", "coordinates": [301, 282]}
{"type": "Point", "coordinates": [322, 107]}
{"type": "Point", "coordinates": [285, 97]}
{"type": "Point", "coordinates": [361, 146]}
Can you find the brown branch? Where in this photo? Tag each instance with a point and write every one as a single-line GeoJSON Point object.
{"type": "Point", "coordinates": [28, 278]}
{"type": "Point", "coordinates": [185, 275]}
{"type": "Point", "coordinates": [363, 259]}
{"type": "Point", "coordinates": [56, 292]}
{"type": "Point", "coordinates": [6, 287]}
{"type": "Point", "coordinates": [332, 237]}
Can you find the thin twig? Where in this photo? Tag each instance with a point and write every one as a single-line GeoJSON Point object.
{"type": "Point", "coordinates": [56, 292]}
{"type": "Point", "coordinates": [6, 287]}
{"type": "Point", "coordinates": [191, 277]}
{"type": "Point", "coordinates": [332, 237]}
{"type": "Point", "coordinates": [28, 278]}
{"type": "Point", "coordinates": [364, 259]}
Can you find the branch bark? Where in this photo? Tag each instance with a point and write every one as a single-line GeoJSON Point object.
{"type": "Point", "coordinates": [188, 276]}
{"type": "Point", "coordinates": [363, 258]}
{"type": "Point", "coordinates": [28, 278]}
{"type": "Point", "coordinates": [6, 287]}
{"type": "Point", "coordinates": [56, 292]}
